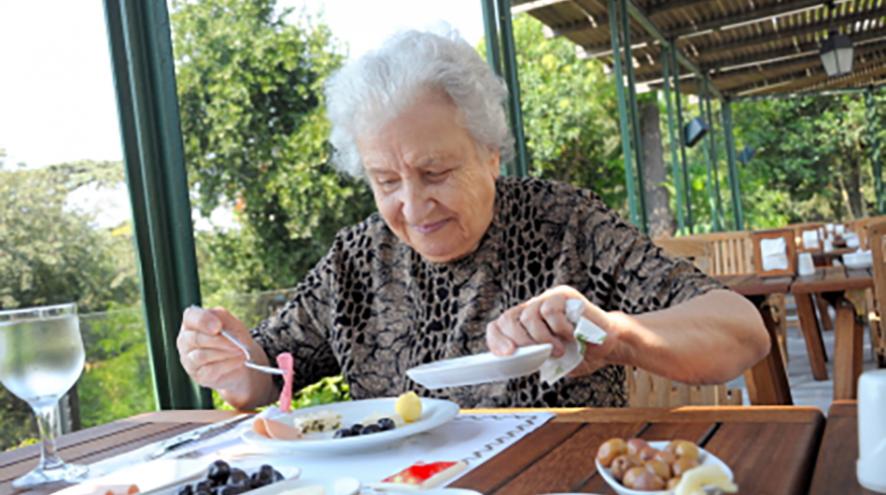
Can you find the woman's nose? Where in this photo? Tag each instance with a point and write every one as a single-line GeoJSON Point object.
{"type": "Point", "coordinates": [416, 204]}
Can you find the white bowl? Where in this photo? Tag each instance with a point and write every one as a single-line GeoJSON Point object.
{"type": "Point", "coordinates": [480, 368]}
{"type": "Point", "coordinates": [858, 259]}
{"type": "Point", "coordinates": [705, 458]}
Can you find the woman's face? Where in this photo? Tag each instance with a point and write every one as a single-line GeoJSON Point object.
{"type": "Point", "coordinates": [432, 184]}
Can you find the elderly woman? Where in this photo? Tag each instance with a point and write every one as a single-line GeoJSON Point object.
{"type": "Point", "coordinates": [459, 260]}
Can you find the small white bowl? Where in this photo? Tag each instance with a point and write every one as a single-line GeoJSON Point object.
{"type": "Point", "coordinates": [705, 458]}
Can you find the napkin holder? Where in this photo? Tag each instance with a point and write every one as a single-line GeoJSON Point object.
{"type": "Point", "coordinates": [775, 253]}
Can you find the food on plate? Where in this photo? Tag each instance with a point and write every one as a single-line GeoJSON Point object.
{"type": "Point", "coordinates": [365, 428]}
{"type": "Point", "coordinates": [694, 481]}
{"type": "Point", "coordinates": [639, 478]}
{"type": "Point", "coordinates": [611, 449]}
{"type": "Point", "coordinates": [112, 490]}
{"type": "Point", "coordinates": [276, 430]}
{"type": "Point", "coordinates": [408, 406]}
{"type": "Point", "coordinates": [427, 475]}
{"type": "Point", "coordinates": [223, 479]}
{"type": "Point", "coordinates": [284, 362]}
{"type": "Point", "coordinates": [320, 421]}
{"type": "Point", "coordinates": [639, 466]}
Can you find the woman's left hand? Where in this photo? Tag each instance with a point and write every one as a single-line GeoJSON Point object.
{"type": "Point", "coordinates": [542, 319]}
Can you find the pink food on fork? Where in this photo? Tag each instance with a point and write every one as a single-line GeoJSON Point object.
{"type": "Point", "coordinates": [284, 362]}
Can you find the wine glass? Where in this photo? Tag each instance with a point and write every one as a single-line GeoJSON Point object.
{"type": "Point", "coordinates": [41, 357]}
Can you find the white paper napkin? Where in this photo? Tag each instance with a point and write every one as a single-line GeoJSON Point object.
{"type": "Point", "coordinates": [586, 332]}
{"type": "Point", "coordinates": [810, 239]}
{"type": "Point", "coordinates": [774, 254]}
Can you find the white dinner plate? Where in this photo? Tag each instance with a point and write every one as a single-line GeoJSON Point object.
{"type": "Point", "coordinates": [705, 458]}
{"type": "Point", "coordinates": [480, 368]}
{"type": "Point", "coordinates": [434, 412]}
{"type": "Point", "coordinates": [162, 476]}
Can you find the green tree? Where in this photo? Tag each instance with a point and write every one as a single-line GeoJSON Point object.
{"type": "Point", "coordinates": [250, 89]}
{"type": "Point", "coordinates": [570, 114]}
{"type": "Point", "coordinates": [50, 254]}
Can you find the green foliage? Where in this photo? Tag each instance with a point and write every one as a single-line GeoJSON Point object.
{"type": "Point", "coordinates": [569, 114]}
{"type": "Point", "coordinates": [329, 389]}
{"type": "Point", "coordinates": [117, 380]}
{"type": "Point", "coordinates": [50, 253]}
{"type": "Point", "coordinates": [250, 90]}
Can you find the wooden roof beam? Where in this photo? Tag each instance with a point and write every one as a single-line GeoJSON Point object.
{"type": "Point", "coordinates": [535, 5]}
{"type": "Point", "coordinates": [751, 16]}
{"type": "Point", "coordinates": [708, 53]}
{"type": "Point", "coordinates": [791, 82]}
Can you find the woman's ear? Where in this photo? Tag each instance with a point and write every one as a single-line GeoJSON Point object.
{"type": "Point", "coordinates": [493, 159]}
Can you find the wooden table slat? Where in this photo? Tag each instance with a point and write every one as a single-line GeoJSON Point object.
{"type": "Point", "coordinates": [497, 471]}
{"type": "Point", "coordinates": [570, 465]}
{"type": "Point", "coordinates": [92, 450]}
{"type": "Point", "coordinates": [835, 465]}
{"type": "Point", "coordinates": [768, 458]}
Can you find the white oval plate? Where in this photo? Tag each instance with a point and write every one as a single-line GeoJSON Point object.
{"type": "Point", "coordinates": [434, 412]}
{"type": "Point", "coordinates": [704, 456]}
{"type": "Point", "coordinates": [480, 368]}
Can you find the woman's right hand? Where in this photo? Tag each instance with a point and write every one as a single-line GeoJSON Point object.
{"type": "Point", "coordinates": [214, 361]}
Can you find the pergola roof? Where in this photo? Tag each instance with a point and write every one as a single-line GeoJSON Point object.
{"type": "Point", "coordinates": [747, 47]}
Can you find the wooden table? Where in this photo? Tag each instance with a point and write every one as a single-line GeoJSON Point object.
{"type": "Point", "coordinates": [835, 466]}
{"type": "Point", "coordinates": [770, 449]}
{"type": "Point", "coordinates": [844, 289]}
{"type": "Point", "coordinates": [767, 381]}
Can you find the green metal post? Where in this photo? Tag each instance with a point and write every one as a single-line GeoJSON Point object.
{"type": "Point", "coordinates": [509, 56]}
{"type": "Point", "coordinates": [704, 107]}
{"type": "Point", "coordinates": [493, 55]}
{"type": "Point", "coordinates": [687, 189]}
{"type": "Point", "coordinates": [675, 163]}
{"type": "Point", "coordinates": [634, 113]}
{"type": "Point", "coordinates": [141, 49]}
{"type": "Point", "coordinates": [734, 182]}
{"type": "Point", "coordinates": [874, 146]}
{"type": "Point", "coordinates": [712, 140]}
{"type": "Point", "coordinates": [623, 114]}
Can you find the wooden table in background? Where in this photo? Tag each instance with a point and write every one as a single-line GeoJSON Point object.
{"type": "Point", "coordinates": [835, 467]}
{"type": "Point", "coordinates": [770, 449]}
{"type": "Point", "coordinates": [767, 381]}
{"type": "Point", "coordinates": [844, 289]}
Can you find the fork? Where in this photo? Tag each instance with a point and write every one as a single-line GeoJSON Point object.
{"type": "Point", "coordinates": [249, 363]}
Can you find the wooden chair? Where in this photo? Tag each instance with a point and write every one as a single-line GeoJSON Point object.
{"type": "Point", "coordinates": [731, 252]}
{"type": "Point", "coordinates": [697, 251]}
{"type": "Point", "coordinates": [646, 389]}
{"type": "Point", "coordinates": [875, 233]}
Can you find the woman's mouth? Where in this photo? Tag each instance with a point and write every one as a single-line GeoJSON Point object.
{"type": "Point", "coordinates": [428, 228]}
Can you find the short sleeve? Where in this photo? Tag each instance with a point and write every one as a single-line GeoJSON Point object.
{"type": "Point", "coordinates": [638, 276]}
{"type": "Point", "coordinates": [301, 326]}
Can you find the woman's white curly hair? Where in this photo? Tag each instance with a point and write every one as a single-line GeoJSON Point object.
{"type": "Point", "coordinates": [370, 91]}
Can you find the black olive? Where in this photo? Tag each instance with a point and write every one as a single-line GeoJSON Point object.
{"type": "Point", "coordinates": [369, 429]}
{"type": "Point", "coordinates": [237, 477]}
{"type": "Point", "coordinates": [277, 476]}
{"type": "Point", "coordinates": [386, 424]}
{"type": "Point", "coordinates": [186, 490]}
{"type": "Point", "coordinates": [232, 489]}
{"type": "Point", "coordinates": [204, 486]}
{"type": "Point", "coordinates": [219, 472]}
{"type": "Point", "coordinates": [356, 429]}
{"type": "Point", "coordinates": [266, 474]}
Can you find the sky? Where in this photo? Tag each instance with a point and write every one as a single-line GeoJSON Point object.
{"type": "Point", "coordinates": [57, 100]}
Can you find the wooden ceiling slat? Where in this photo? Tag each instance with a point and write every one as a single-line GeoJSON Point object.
{"type": "Point", "coordinates": [767, 45]}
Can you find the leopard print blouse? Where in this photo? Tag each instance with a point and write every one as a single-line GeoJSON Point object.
{"type": "Point", "coordinates": [373, 308]}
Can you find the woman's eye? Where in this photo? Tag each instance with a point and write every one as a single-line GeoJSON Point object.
{"type": "Point", "coordinates": [439, 174]}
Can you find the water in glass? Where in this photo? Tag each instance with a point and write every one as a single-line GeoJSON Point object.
{"type": "Point", "coordinates": [41, 357]}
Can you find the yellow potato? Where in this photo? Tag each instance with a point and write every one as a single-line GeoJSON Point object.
{"type": "Point", "coordinates": [408, 406]}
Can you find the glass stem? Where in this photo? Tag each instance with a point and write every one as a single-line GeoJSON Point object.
{"type": "Point", "coordinates": [47, 423]}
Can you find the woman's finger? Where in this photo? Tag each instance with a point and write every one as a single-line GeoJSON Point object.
{"type": "Point", "coordinates": [531, 320]}
{"type": "Point", "coordinates": [497, 342]}
{"type": "Point", "coordinates": [510, 326]}
{"type": "Point", "coordinates": [553, 312]}
{"type": "Point", "coordinates": [201, 320]}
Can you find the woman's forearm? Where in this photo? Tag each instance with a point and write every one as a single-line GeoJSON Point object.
{"type": "Point", "coordinates": [708, 339]}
